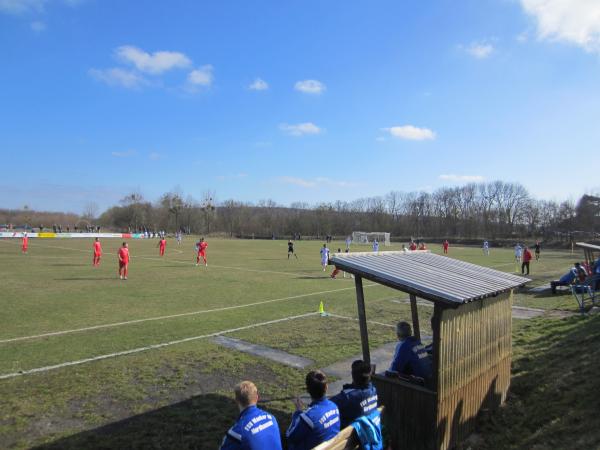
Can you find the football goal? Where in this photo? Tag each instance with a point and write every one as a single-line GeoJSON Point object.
{"type": "Point", "coordinates": [363, 237]}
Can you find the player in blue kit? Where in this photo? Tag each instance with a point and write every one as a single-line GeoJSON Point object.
{"type": "Point", "coordinates": [359, 398]}
{"type": "Point", "coordinates": [319, 422]}
{"type": "Point", "coordinates": [255, 429]}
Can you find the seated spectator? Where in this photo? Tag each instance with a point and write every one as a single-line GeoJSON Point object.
{"type": "Point", "coordinates": [410, 357]}
{"type": "Point", "coordinates": [320, 422]}
{"type": "Point", "coordinates": [422, 246]}
{"type": "Point", "coordinates": [358, 398]}
{"type": "Point", "coordinates": [413, 246]}
{"type": "Point", "coordinates": [576, 273]}
{"type": "Point", "coordinates": [255, 429]}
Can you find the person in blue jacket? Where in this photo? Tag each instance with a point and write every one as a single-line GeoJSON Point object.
{"type": "Point", "coordinates": [358, 398]}
{"type": "Point", "coordinates": [255, 429]}
{"type": "Point", "coordinates": [319, 422]}
{"type": "Point", "coordinates": [410, 357]}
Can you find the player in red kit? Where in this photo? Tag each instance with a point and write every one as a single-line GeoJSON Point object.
{"type": "Point", "coordinates": [25, 243]}
{"type": "Point", "coordinates": [162, 244]}
{"type": "Point", "coordinates": [446, 245]}
{"type": "Point", "coordinates": [97, 252]}
{"type": "Point", "coordinates": [123, 261]}
{"type": "Point", "coordinates": [201, 247]}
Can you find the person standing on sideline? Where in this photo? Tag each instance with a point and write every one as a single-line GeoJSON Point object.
{"type": "Point", "coordinates": [348, 242]}
{"type": "Point", "coordinates": [162, 244]}
{"type": "Point", "coordinates": [486, 248]}
{"type": "Point", "coordinates": [538, 249]}
{"type": "Point", "coordinates": [97, 252]}
{"type": "Point", "coordinates": [25, 243]}
{"type": "Point", "coordinates": [375, 245]}
{"type": "Point", "coordinates": [324, 257]}
{"type": "Point", "coordinates": [255, 428]}
{"type": "Point", "coordinates": [201, 247]}
{"type": "Point", "coordinates": [123, 261]}
{"type": "Point", "coordinates": [446, 244]}
{"type": "Point", "coordinates": [527, 257]}
{"type": "Point", "coordinates": [291, 249]}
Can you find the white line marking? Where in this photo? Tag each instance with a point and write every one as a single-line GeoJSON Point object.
{"type": "Point", "coordinates": [356, 320]}
{"type": "Point", "coordinates": [172, 316]}
{"type": "Point", "coordinates": [149, 347]}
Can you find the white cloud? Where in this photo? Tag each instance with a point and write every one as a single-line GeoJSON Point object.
{"type": "Point", "coordinates": [202, 76]}
{"type": "Point", "coordinates": [410, 133]}
{"type": "Point", "coordinates": [479, 50]}
{"type": "Point", "coordinates": [317, 182]}
{"type": "Point", "coordinates": [462, 178]}
{"type": "Point", "coordinates": [259, 85]}
{"type": "Point", "coordinates": [125, 154]}
{"type": "Point", "coordinates": [300, 129]}
{"type": "Point", "coordinates": [118, 77]}
{"type": "Point", "coordinates": [155, 156]}
{"type": "Point", "coordinates": [575, 21]}
{"type": "Point", "coordinates": [310, 86]}
{"type": "Point", "coordinates": [155, 63]}
{"type": "Point", "coordinates": [38, 26]}
{"type": "Point", "coordinates": [21, 6]}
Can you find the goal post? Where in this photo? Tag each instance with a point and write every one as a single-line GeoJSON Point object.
{"type": "Point", "coordinates": [367, 237]}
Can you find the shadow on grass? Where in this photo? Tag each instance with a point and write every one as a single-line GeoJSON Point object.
{"type": "Point", "coordinates": [553, 400]}
{"type": "Point", "coordinates": [197, 423]}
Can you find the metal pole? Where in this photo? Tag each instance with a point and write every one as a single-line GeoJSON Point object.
{"type": "Point", "coordinates": [362, 319]}
{"type": "Point", "coordinates": [415, 317]}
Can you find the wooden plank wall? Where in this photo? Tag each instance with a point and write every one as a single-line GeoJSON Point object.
{"type": "Point", "coordinates": [474, 354]}
{"type": "Point", "coordinates": [409, 417]}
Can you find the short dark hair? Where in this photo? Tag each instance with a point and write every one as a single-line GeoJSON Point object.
{"type": "Point", "coordinates": [403, 329]}
{"type": "Point", "coordinates": [361, 372]}
{"type": "Point", "coordinates": [316, 383]}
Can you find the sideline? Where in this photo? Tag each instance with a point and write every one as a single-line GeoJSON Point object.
{"type": "Point", "coordinates": [149, 347]}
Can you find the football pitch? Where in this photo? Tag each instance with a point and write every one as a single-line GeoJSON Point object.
{"type": "Point", "coordinates": [88, 360]}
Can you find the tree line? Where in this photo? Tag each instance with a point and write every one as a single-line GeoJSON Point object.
{"type": "Point", "coordinates": [493, 210]}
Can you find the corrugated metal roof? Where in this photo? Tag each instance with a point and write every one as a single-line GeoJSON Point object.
{"type": "Point", "coordinates": [429, 276]}
{"type": "Point", "coordinates": [588, 246]}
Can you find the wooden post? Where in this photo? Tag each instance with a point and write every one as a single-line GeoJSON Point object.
{"type": "Point", "coordinates": [415, 317]}
{"type": "Point", "coordinates": [362, 319]}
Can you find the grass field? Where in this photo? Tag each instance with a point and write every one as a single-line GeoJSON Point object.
{"type": "Point", "coordinates": [131, 364]}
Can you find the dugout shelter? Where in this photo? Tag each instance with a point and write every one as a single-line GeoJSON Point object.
{"type": "Point", "coordinates": [471, 357]}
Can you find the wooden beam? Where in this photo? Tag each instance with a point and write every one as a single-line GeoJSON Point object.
{"type": "Point", "coordinates": [415, 317]}
{"type": "Point", "coordinates": [362, 319]}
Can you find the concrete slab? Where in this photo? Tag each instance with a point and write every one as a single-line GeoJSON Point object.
{"type": "Point", "coordinates": [279, 356]}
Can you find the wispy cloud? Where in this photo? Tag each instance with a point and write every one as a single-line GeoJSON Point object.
{"type": "Point", "coordinates": [155, 156]}
{"type": "Point", "coordinates": [125, 154]}
{"type": "Point", "coordinates": [410, 132]}
{"type": "Point", "coordinates": [316, 182]}
{"type": "Point", "coordinates": [21, 6]}
{"type": "Point", "coordinates": [259, 85]}
{"type": "Point", "coordinates": [310, 87]}
{"type": "Point", "coordinates": [574, 21]}
{"type": "Point", "coordinates": [153, 63]}
{"type": "Point", "coordinates": [300, 129]}
{"type": "Point", "coordinates": [118, 77]}
{"type": "Point", "coordinates": [203, 76]}
{"type": "Point", "coordinates": [38, 26]}
{"type": "Point", "coordinates": [462, 178]}
{"type": "Point", "coordinates": [479, 50]}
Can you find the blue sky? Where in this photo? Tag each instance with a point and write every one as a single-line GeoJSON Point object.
{"type": "Point", "coordinates": [295, 101]}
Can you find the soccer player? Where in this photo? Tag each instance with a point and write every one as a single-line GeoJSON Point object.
{"type": "Point", "coordinates": [291, 249]}
{"type": "Point", "coordinates": [446, 245]}
{"type": "Point", "coordinates": [123, 261]}
{"type": "Point", "coordinates": [324, 257]}
{"type": "Point", "coordinates": [25, 243]}
{"type": "Point", "coordinates": [97, 252]}
{"type": "Point", "coordinates": [162, 244]}
{"type": "Point", "coordinates": [201, 247]}
{"type": "Point", "coordinates": [335, 269]}
{"type": "Point", "coordinates": [518, 253]}
{"type": "Point", "coordinates": [348, 242]}
{"type": "Point", "coordinates": [486, 248]}
{"type": "Point", "coordinates": [179, 238]}
{"type": "Point", "coordinates": [413, 246]}
{"type": "Point", "coordinates": [375, 245]}
{"type": "Point", "coordinates": [538, 249]}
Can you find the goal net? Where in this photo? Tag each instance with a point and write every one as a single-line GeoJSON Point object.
{"type": "Point", "coordinates": [362, 237]}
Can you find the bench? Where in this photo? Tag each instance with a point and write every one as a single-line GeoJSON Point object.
{"type": "Point", "coordinates": [346, 439]}
{"type": "Point", "coordinates": [586, 290]}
